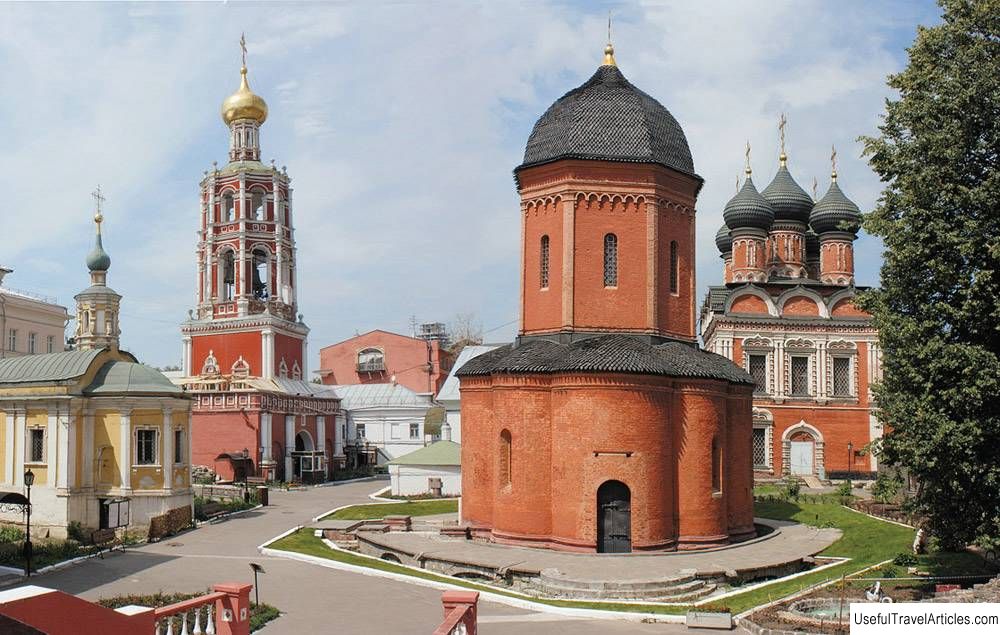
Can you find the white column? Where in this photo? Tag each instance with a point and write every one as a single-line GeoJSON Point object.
{"type": "Point", "coordinates": [320, 432]}
{"type": "Point", "coordinates": [265, 436]}
{"type": "Point", "coordinates": [168, 449]}
{"type": "Point", "coordinates": [340, 422]}
{"type": "Point", "coordinates": [186, 355]}
{"type": "Point", "coordinates": [8, 473]}
{"type": "Point", "coordinates": [821, 374]}
{"type": "Point", "coordinates": [64, 458]}
{"type": "Point", "coordinates": [52, 454]}
{"type": "Point", "coordinates": [88, 450]}
{"type": "Point", "coordinates": [305, 359]}
{"type": "Point", "coordinates": [289, 444]}
{"type": "Point", "coordinates": [267, 354]}
{"type": "Point", "coordinates": [18, 444]}
{"type": "Point", "coordinates": [125, 452]}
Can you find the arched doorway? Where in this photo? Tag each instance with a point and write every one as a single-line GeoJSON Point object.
{"type": "Point", "coordinates": [802, 451]}
{"type": "Point", "coordinates": [303, 444]}
{"type": "Point", "coordinates": [614, 518]}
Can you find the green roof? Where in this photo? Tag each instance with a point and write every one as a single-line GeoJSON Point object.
{"type": "Point", "coordinates": [48, 367]}
{"type": "Point", "coordinates": [438, 453]}
{"type": "Point", "coordinates": [119, 377]}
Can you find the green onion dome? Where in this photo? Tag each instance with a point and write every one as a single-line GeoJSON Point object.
{"type": "Point", "coordinates": [790, 202]}
{"type": "Point", "coordinates": [724, 240]}
{"type": "Point", "coordinates": [835, 212]}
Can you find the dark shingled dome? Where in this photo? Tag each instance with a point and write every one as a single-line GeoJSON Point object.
{"type": "Point", "coordinates": [835, 212]}
{"type": "Point", "coordinates": [724, 240]}
{"type": "Point", "coordinates": [608, 119]}
{"type": "Point", "coordinates": [618, 353]}
{"type": "Point", "coordinates": [790, 202]}
{"type": "Point", "coordinates": [748, 209]}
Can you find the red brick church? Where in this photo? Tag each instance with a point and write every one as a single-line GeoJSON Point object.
{"type": "Point", "coordinates": [604, 427]}
{"type": "Point", "coordinates": [244, 359]}
{"type": "Point", "coordinates": [786, 313]}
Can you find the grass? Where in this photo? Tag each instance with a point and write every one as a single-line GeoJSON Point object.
{"type": "Point", "coordinates": [866, 541]}
{"type": "Point", "coordinates": [410, 508]}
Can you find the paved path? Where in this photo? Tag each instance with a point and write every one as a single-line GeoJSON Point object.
{"type": "Point", "coordinates": [314, 600]}
{"type": "Point", "coordinates": [790, 543]}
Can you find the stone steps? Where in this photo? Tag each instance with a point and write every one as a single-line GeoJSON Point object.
{"type": "Point", "coordinates": [671, 589]}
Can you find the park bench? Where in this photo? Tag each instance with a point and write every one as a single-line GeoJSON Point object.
{"type": "Point", "coordinates": [212, 509]}
{"type": "Point", "coordinates": [106, 540]}
{"type": "Point", "coordinates": [256, 480]}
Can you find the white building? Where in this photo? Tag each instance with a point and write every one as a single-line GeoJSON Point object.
{"type": "Point", "coordinates": [449, 396]}
{"type": "Point", "coordinates": [386, 417]}
{"type": "Point", "coordinates": [436, 469]}
{"type": "Point", "coordinates": [30, 323]}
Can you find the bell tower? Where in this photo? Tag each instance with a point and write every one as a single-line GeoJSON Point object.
{"type": "Point", "coordinates": [246, 316]}
{"type": "Point", "coordinates": [97, 325]}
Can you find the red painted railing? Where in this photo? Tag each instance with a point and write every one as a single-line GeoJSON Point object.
{"type": "Point", "coordinates": [460, 609]}
{"type": "Point", "coordinates": [226, 611]}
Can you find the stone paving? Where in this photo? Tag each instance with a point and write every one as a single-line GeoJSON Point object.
{"type": "Point", "coordinates": [791, 542]}
{"type": "Point", "coordinates": [313, 599]}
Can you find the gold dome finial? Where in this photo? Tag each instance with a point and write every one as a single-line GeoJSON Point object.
{"type": "Point", "coordinates": [244, 104]}
{"type": "Point", "coordinates": [833, 162]}
{"type": "Point", "coordinates": [99, 201]}
{"type": "Point", "coordinates": [609, 50]}
{"type": "Point", "coordinates": [747, 169]}
{"type": "Point", "coordinates": [782, 158]}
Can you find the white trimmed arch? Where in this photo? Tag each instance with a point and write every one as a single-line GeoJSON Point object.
{"type": "Point", "coordinates": [821, 306]}
{"type": "Point", "coordinates": [819, 467]}
{"type": "Point", "coordinates": [772, 309]}
{"type": "Point", "coordinates": [843, 294]}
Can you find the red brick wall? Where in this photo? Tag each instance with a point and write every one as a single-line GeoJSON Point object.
{"type": "Point", "coordinates": [213, 433]}
{"type": "Point", "coordinates": [837, 424]}
{"type": "Point", "coordinates": [674, 310]}
{"type": "Point", "coordinates": [800, 306]}
{"type": "Point", "coordinates": [847, 308]}
{"type": "Point", "coordinates": [405, 357]}
{"type": "Point", "coordinates": [749, 304]}
{"type": "Point", "coordinates": [571, 433]}
{"type": "Point", "coordinates": [543, 307]}
{"type": "Point", "coordinates": [227, 348]}
{"type": "Point", "coordinates": [289, 348]}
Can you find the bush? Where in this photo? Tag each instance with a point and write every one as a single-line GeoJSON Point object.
{"type": "Point", "coordinates": [792, 488]}
{"type": "Point", "coordinates": [905, 560]}
{"type": "Point", "coordinates": [76, 532]}
{"type": "Point", "coordinates": [886, 487]}
{"type": "Point", "coordinates": [11, 533]}
{"type": "Point", "coordinates": [845, 488]}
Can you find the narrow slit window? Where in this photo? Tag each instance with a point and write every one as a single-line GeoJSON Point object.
{"type": "Point", "coordinates": [673, 266]}
{"type": "Point", "coordinates": [505, 458]}
{"type": "Point", "coordinates": [37, 447]}
{"type": "Point", "coordinates": [610, 260]}
{"type": "Point", "coordinates": [543, 263]}
{"type": "Point", "coordinates": [716, 466]}
{"type": "Point", "coordinates": [841, 377]}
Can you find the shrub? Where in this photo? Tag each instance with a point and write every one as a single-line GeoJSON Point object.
{"type": "Point", "coordinates": [886, 487]}
{"type": "Point", "coordinates": [11, 533]}
{"type": "Point", "coordinates": [845, 488]}
{"type": "Point", "coordinates": [76, 531]}
{"type": "Point", "coordinates": [905, 560]}
{"type": "Point", "coordinates": [793, 488]}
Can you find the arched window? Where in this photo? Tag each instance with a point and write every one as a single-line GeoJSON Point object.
{"type": "Point", "coordinates": [227, 275]}
{"type": "Point", "coordinates": [257, 205]}
{"type": "Point", "coordinates": [716, 466]}
{"type": "Point", "coordinates": [228, 208]}
{"type": "Point", "coordinates": [543, 263]}
{"type": "Point", "coordinates": [505, 458]}
{"type": "Point", "coordinates": [673, 266]}
{"type": "Point", "coordinates": [371, 360]}
{"type": "Point", "coordinates": [610, 260]}
{"type": "Point", "coordinates": [261, 274]}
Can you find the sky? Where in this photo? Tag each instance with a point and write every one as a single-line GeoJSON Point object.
{"type": "Point", "coordinates": [399, 123]}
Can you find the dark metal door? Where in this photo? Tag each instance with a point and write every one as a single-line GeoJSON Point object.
{"type": "Point", "coordinates": [614, 518]}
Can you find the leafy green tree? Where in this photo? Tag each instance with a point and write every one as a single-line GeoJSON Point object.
{"type": "Point", "coordinates": [938, 309]}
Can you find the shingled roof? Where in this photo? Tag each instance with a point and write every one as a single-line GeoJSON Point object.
{"type": "Point", "coordinates": [608, 119]}
{"type": "Point", "coordinates": [617, 353]}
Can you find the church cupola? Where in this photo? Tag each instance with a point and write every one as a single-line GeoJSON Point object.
{"type": "Point", "coordinates": [749, 217]}
{"type": "Point", "coordinates": [724, 243]}
{"type": "Point", "coordinates": [97, 305]}
{"type": "Point", "coordinates": [244, 112]}
{"type": "Point", "coordinates": [836, 219]}
{"type": "Point", "coordinates": [792, 207]}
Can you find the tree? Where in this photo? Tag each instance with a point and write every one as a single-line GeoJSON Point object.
{"type": "Point", "coordinates": [938, 309]}
{"type": "Point", "coordinates": [465, 330]}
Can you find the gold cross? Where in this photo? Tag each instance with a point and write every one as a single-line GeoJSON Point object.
{"type": "Point", "coordinates": [815, 186]}
{"type": "Point", "coordinates": [609, 26]}
{"type": "Point", "coordinates": [781, 130]}
{"type": "Point", "coordinates": [833, 159]}
{"type": "Point", "coordinates": [99, 200]}
{"type": "Point", "coordinates": [748, 157]}
{"type": "Point", "coordinates": [243, 47]}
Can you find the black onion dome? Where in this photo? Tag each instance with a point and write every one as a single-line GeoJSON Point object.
{"type": "Point", "coordinates": [724, 240]}
{"type": "Point", "coordinates": [835, 212]}
{"type": "Point", "coordinates": [608, 119]}
{"type": "Point", "coordinates": [812, 245]}
{"type": "Point", "coordinates": [748, 209]}
{"type": "Point", "coordinates": [790, 202]}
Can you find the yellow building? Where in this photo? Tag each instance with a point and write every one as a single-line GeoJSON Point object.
{"type": "Point", "coordinates": [107, 438]}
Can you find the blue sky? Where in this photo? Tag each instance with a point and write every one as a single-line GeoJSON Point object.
{"type": "Point", "coordinates": [400, 123]}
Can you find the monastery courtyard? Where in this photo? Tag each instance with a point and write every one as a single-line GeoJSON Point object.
{"type": "Point", "coordinates": [303, 593]}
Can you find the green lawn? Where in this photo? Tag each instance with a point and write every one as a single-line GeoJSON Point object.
{"type": "Point", "coordinates": [867, 541]}
{"type": "Point", "coordinates": [410, 508]}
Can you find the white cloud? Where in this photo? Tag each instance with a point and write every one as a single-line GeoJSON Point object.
{"type": "Point", "coordinates": [400, 124]}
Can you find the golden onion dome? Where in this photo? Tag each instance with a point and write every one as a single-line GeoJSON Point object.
{"type": "Point", "coordinates": [244, 104]}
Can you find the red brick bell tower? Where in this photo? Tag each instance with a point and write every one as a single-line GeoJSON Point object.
{"type": "Point", "coordinates": [604, 427]}
{"type": "Point", "coordinates": [244, 355]}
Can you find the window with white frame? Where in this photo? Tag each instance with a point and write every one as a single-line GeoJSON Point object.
{"type": "Point", "coordinates": [50, 343]}
{"type": "Point", "coordinates": [31, 342]}
{"type": "Point", "coordinates": [757, 367]}
{"type": "Point", "coordinates": [799, 371]}
{"type": "Point", "coordinates": [414, 430]}
{"type": "Point", "coordinates": [12, 340]}
{"type": "Point", "coordinates": [36, 445]}
{"type": "Point", "coordinates": [360, 428]}
{"type": "Point", "coordinates": [145, 446]}
{"type": "Point", "coordinates": [842, 377]}
{"type": "Point", "coordinates": [760, 447]}
{"type": "Point", "coordinates": [396, 433]}
{"type": "Point", "coordinates": [178, 445]}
